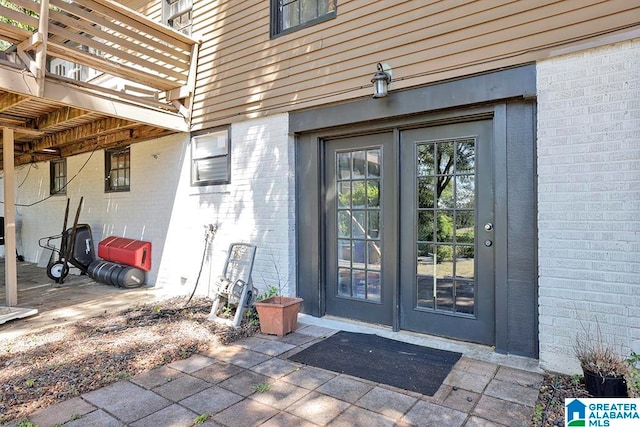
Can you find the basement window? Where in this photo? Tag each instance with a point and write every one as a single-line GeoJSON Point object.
{"type": "Point", "coordinates": [58, 176]}
{"type": "Point", "coordinates": [210, 158]}
{"type": "Point", "coordinates": [291, 15]}
{"type": "Point", "coordinates": [117, 166]}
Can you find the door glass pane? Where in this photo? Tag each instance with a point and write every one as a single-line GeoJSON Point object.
{"type": "Point", "coordinates": [425, 159]}
{"type": "Point", "coordinates": [359, 284]}
{"type": "Point", "coordinates": [344, 253]}
{"type": "Point", "coordinates": [358, 223]}
{"type": "Point", "coordinates": [344, 166]}
{"type": "Point", "coordinates": [445, 295]}
{"type": "Point", "coordinates": [373, 256]}
{"type": "Point", "coordinates": [373, 163]}
{"type": "Point", "coordinates": [373, 228]}
{"type": "Point", "coordinates": [359, 195]}
{"type": "Point", "coordinates": [465, 226]}
{"type": "Point", "coordinates": [464, 262]}
{"type": "Point", "coordinates": [425, 226]}
{"type": "Point", "coordinates": [344, 282]}
{"type": "Point", "coordinates": [445, 196]}
{"type": "Point", "coordinates": [425, 272]}
{"type": "Point", "coordinates": [358, 253]}
{"type": "Point", "coordinates": [464, 296]}
{"type": "Point", "coordinates": [465, 191]}
{"type": "Point", "coordinates": [444, 224]}
{"type": "Point", "coordinates": [444, 160]}
{"type": "Point", "coordinates": [359, 164]}
{"type": "Point", "coordinates": [344, 224]}
{"type": "Point", "coordinates": [358, 230]}
{"type": "Point", "coordinates": [445, 192]}
{"type": "Point", "coordinates": [344, 194]}
{"type": "Point", "coordinates": [373, 286]}
{"type": "Point", "coordinates": [465, 156]}
{"type": "Point", "coordinates": [373, 193]}
{"type": "Point", "coordinates": [426, 192]}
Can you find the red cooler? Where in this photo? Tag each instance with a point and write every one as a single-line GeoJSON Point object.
{"type": "Point", "coordinates": [135, 253]}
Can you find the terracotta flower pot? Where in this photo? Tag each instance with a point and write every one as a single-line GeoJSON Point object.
{"type": "Point", "coordinates": [278, 315]}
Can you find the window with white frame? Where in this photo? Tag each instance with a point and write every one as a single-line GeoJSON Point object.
{"type": "Point", "coordinates": [210, 158]}
{"type": "Point", "coordinates": [177, 15]}
{"type": "Point", "coordinates": [291, 15]}
{"type": "Point", "coordinates": [58, 176]}
{"type": "Point", "coordinates": [117, 167]}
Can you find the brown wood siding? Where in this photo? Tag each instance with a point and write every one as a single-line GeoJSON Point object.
{"type": "Point", "coordinates": [151, 9]}
{"type": "Point", "coordinates": [243, 73]}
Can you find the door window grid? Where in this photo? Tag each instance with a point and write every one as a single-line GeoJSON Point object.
{"type": "Point", "coordinates": [358, 224]}
{"type": "Point", "coordinates": [445, 183]}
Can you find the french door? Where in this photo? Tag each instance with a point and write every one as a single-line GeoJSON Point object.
{"type": "Point", "coordinates": [446, 232]}
{"type": "Point", "coordinates": [409, 229]}
{"type": "Point", "coordinates": [361, 239]}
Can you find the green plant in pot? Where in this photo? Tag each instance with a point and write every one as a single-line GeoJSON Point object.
{"type": "Point", "coordinates": [278, 315]}
{"type": "Point", "coordinates": [605, 370]}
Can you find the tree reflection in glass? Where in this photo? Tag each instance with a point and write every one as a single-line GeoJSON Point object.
{"type": "Point", "coordinates": [445, 186]}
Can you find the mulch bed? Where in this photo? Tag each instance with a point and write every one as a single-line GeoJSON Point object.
{"type": "Point", "coordinates": [44, 368]}
{"type": "Point", "coordinates": [549, 409]}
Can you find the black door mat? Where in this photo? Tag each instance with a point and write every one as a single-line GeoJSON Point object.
{"type": "Point", "coordinates": [371, 357]}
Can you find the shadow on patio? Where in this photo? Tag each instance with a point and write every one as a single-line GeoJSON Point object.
{"type": "Point", "coordinates": [79, 297]}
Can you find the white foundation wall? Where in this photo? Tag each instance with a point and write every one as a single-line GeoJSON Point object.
{"type": "Point", "coordinates": [257, 207]}
{"type": "Point", "coordinates": [588, 200]}
{"type": "Point", "coordinates": [142, 213]}
{"type": "Point", "coordinates": [163, 208]}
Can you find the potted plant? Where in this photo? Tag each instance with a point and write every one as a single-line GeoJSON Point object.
{"type": "Point", "coordinates": [278, 315]}
{"type": "Point", "coordinates": [605, 371]}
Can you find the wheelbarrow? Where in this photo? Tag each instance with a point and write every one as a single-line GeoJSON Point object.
{"type": "Point", "coordinates": [75, 247]}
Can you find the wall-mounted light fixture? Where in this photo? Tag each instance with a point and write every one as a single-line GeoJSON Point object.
{"type": "Point", "coordinates": [381, 81]}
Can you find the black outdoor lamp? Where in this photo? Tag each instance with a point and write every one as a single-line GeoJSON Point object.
{"type": "Point", "coordinates": [381, 81]}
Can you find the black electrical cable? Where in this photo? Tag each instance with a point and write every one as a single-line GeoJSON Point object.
{"type": "Point", "coordinates": [63, 187]}
{"type": "Point", "coordinates": [27, 175]}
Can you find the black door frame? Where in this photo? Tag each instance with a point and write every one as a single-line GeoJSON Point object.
{"type": "Point", "coordinates": [396, 127]}
{"type": "Point", "coordinates": [508, 97]}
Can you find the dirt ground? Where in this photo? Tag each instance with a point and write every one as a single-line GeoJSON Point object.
{"type": "Point", "coordinates": [549, 409]}
{"type": "Point", "coordinates": [56, 364]}
{"type": "Point", "coordinates": [44, 368]}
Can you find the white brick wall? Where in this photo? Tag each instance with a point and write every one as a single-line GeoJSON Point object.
{"type": "Point", "coordinates": [588, 199]}
{"type": "Point", "coordinates": [142, 213]}
{"type": "Point", "coordinates": [257, 207]}
{"type": "Point", "coordinates": [162, 207]}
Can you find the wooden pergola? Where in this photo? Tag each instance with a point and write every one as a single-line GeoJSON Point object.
{"type": "Point", "coordinates": [80, 75]}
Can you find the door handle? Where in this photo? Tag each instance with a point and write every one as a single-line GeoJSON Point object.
{"type": "Point", "coordinates": [488, 226]}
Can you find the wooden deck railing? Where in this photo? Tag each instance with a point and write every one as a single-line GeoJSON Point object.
{"type": "Point", "coordinates": [104, 37]}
